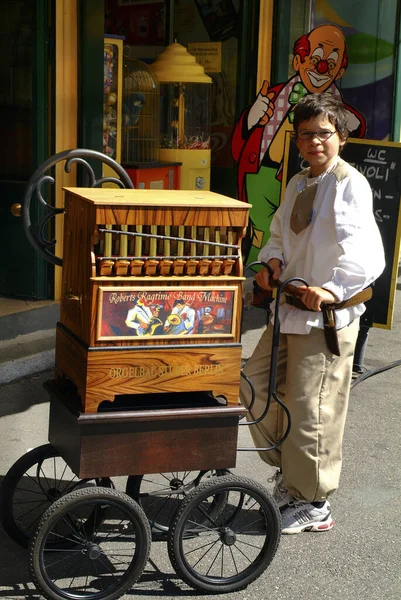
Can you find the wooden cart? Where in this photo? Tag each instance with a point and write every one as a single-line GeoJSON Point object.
{"type": "Point", "coordinates": [150, 313]}
{"type": "Point", "coordinates": [148, 364]}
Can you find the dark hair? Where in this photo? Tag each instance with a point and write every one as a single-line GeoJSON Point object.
{"type": "Point", "coordinates": [177, 302]}
{"type": "Point", "coordinates": [315, 105]}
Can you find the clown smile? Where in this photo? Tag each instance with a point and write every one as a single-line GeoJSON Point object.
{"type": "Point", "coordinates": [317, 79]}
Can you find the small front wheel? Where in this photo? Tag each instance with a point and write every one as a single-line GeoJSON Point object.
{"type": "Point", "coordinates": [221, 552]}
{"type": "Point", "coordinates": [92, 543]}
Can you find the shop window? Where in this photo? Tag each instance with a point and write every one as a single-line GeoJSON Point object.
{"type": "Point", "coordinates": [16, 39]}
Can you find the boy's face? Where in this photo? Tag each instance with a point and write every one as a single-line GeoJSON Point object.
{"type": "Point", "coordinates": [319, 153]}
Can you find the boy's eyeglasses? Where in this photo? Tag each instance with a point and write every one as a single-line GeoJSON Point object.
{"type": "Point", "coordinates": [323, 134]}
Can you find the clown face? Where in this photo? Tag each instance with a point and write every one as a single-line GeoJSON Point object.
{"type": "Point", "coordinates": [323, 64]}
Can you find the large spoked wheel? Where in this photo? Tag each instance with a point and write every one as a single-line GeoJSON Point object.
{"type": "Point", "coordinates": [92, 543]}
{"type": "Point", "coordinates": [224, 552]}
{"type": "Point", "coordinates": [160, 494]}
{"type": "Point", "coordinates": [32, 484]}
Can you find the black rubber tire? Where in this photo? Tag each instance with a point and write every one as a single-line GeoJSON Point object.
{"type": "Point", "coordinates": [160, 494]}
{"type": "Point", "coordinates": [29, 488]}
{"type": "Point", "coordinates": [246, 532]}
{"type": "Point", "coordinates": [100, 553]}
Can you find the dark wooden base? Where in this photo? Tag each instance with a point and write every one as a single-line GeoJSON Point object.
{"type": "Point", "coordinates": [142, 441]}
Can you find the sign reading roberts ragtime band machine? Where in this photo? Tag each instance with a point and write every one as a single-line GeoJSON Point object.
{"type": "Point", "coordinates": [166, 312]}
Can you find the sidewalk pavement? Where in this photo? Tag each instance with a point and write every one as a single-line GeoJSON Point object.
{"type": "Point", "coordinates": [27, 341]}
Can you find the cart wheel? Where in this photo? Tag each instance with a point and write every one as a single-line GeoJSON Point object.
{"type": "Point", "coordinates": [224, 552]}
{"type": "Point", "coordinates": [31, 485]}
{"type": "Point", "coordinates": [160, 494]}
{"type": "Point", "coordinates": [92, 543]}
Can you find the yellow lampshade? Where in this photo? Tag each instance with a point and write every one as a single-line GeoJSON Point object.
{"type": "Point", "coordinates": [176, 64]}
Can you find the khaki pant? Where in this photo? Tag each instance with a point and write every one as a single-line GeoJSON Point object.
{"type": "Point", "coordinates": [314, 384]}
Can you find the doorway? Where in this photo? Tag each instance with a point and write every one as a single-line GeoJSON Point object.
{"type": "Point", "coordinates": [25, 106]}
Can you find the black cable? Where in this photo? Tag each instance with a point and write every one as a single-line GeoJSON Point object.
{"type": "Point", "coordinates": [375, 371]}
{"type": "Point", "coordinates": [272, 393]}
{"type": "Point", "coordinates": [262, 416]}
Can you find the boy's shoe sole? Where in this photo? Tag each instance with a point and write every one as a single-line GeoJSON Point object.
{"type": "Point", "coordinates": [318, 526]}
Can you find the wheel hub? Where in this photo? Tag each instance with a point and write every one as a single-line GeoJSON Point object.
{"type": "Point", "coordinates": [53, 494]}
{"type": "Point", "coordinates": [93, 551]}
{"type": "Point", "coordinates": [176, 483]}
{"type": "Point", "coordinates": [228, 537]}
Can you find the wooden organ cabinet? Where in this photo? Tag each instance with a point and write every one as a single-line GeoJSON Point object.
{"type": "Point", "coordinates": [149, 323]}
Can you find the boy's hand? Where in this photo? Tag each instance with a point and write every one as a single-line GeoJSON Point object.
{"type": "Point", "coordinates": [314, 296]}
{"type": "Point", "coordinates": [263, 278]}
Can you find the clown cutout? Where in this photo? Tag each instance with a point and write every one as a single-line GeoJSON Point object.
{"type": "Point", "coordinates": [320, 59]}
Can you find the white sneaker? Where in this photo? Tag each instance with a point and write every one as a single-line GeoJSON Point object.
{"type": "Point", "coordinates": [281, 495]}
{"type": "Point", "coordinates": [303, 516]}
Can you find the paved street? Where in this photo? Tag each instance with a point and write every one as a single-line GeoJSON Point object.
{"type": "Point", "coordinates": [358, 560]}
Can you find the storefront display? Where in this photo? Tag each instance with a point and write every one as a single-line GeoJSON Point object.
{"type": "Point", "coordinates": [185, 115]}
{"type": "Point", "coordinates": [141, 130]}
{"type": "Point", "coordinates": [112, 101]}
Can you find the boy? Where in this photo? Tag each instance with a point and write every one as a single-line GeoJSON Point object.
{"type": "Point", "coordinates": [325, 233]}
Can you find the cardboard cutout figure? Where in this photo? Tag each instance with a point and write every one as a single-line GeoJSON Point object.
{"type": "Point", "coordinates": [320, 59]}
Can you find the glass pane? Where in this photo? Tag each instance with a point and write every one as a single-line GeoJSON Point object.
{"type": "Point", "coordinates": [141, 114]}
{"type": "Point", "coordinates": [16, 40]}
{"type": "Point", "coordinates": [299, 25]}
{"type": "Point", "coordinates": [216, 20]}
{"type": "Point", "coordinates": [185, 116]}
{"type": "Point", "coordinates": [368, 82]}
{"type": "Point", "coordinates": [111, 100]}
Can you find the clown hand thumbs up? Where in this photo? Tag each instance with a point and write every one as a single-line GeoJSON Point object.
{"type": "Point", "coordinates": [262, 109]}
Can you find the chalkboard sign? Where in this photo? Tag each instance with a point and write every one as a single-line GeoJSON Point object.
{"type": "Point", "coordinates": [380, 162]}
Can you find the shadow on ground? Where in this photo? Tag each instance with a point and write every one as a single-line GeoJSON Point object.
{"type": "Point", "coordinates": [12, 401]}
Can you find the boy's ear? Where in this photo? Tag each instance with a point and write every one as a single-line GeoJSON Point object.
{"type": "Point", "coordinates": [296, 61]}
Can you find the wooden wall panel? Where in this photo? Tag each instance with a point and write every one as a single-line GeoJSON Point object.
{"type": "Point", "coordinates": [66, 109]}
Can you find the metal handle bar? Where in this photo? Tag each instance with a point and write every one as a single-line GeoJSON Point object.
{"type": "Point", "coordinates": [156, 236]}
{"type": "Point", "coordinates": [285, 287]}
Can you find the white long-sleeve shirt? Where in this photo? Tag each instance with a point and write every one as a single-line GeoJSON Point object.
{"type": "Point", "coordinates": [340, 249]}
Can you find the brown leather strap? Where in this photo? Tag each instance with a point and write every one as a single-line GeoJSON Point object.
{"type": "Point", "coordinates": [329, 323]}
{"type": "Point", "coordinates": [330, 330]}
{"type": "Point", "coordinates": [362, 296]}
{"type": "Point", "coordinates": [297, 302]}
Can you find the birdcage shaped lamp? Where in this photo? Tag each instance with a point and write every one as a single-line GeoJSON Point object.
{"type": "Point", "coordinates": [185, 109]}
{"type": "Point", "coordinates": [140, 114]}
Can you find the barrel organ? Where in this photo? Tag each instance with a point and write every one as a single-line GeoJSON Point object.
{"type": "Point", "coordinates": [151, 293]}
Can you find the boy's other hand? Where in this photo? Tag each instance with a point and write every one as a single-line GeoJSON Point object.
{"type": "Point", "coordinates": [313, 297]}
{"type": "Point", "coordinates": [263, 278]}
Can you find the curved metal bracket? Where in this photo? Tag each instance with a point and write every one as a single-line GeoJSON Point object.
{"type": "Point", "coordinates": [34, 191]}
